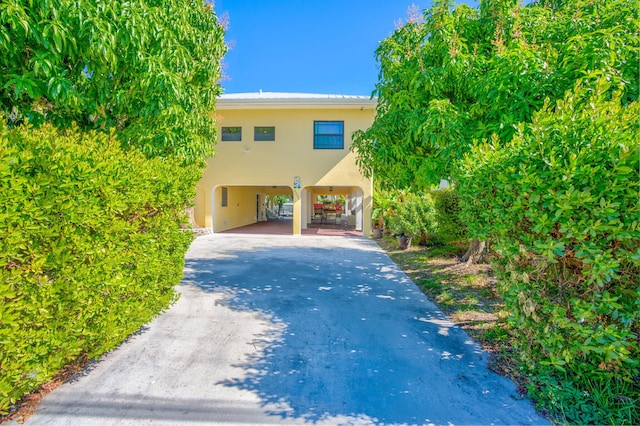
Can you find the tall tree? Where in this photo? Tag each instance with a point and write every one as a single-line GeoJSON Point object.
{"type": "Point", "coordinates": [464, 74]}
{"type": "Point", "coordinates": [147, 68]}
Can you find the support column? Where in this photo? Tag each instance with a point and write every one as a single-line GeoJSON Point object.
{"type": "Point", "coordinates": [210, 199]}
{"type": "Point", "coordinates": [359, 211]}
{"type": "Point", "coordinates": [367, 203]}
{"type": "Point", "coordinates": [297, 212]}
{"type": "Point", "coordinates": [304, 214]}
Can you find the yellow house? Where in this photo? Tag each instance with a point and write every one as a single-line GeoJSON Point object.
{"type": "Point", "coordinates": [284, 144]}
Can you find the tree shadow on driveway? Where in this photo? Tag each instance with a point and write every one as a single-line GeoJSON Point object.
{"type": "Point", "coordinates": [348, 338]}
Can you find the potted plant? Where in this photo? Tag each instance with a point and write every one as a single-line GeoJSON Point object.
{"type": "Point", "coordinates": [378, 222]}
{"type": "Point", "coordinates": [413, 217]}
{"type": "Point", "coordinates": [404, 241]}
{"type": "Point", "coordinates": [403, 228]}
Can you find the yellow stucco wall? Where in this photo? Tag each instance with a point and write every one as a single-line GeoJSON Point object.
{"type": "Point", "coordinates": [249, 167]}
{"type": "Point", "coordinates": [240, 209]}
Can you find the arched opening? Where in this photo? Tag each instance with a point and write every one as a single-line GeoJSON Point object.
{"type": "Point", "coordinates": [235, 207]}
{"type": "Point", "coordinates": [333, 210]}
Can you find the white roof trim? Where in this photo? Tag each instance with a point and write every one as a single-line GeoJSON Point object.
{"type": "Point", "coordinates": [268, 100]}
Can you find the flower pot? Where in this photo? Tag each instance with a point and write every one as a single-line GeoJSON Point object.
{"type": "Point", "coordinates": [404, 242]}
{"type": "Point", "coordinates": [377, 232]}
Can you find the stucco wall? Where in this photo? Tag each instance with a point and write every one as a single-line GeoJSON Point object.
{"type": "Point", "coordinates": [240, 209]}
{"type": "Point", "coordinates": [254, 164]}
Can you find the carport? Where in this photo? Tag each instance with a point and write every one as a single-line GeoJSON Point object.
{"type": "Point", "coordinates": [250, 209]}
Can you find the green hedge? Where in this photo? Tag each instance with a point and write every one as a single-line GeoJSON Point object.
{"type": "Point", "coordinates": [414, 215]}
{"type": "Point", "coordinates": [428, 217]}
{"type": "Point", "coordinates": [560, 203]}
{"type": "Point", "coordinates": [91, 247]}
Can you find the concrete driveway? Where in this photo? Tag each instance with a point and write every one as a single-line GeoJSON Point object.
{"type": "Point", "coordinates": [290, 330]}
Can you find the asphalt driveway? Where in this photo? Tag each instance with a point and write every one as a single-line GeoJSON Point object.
{"type": "Point", "coordinates": [281, 329]}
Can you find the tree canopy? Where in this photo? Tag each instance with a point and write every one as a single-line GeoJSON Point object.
{"type": "Point", "coordinates": [147, 68]}
{"type": "Point", "coordinates": [463, 75]}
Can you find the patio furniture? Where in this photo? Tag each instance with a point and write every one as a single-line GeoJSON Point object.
{"type": "Point", "coordinates": [318, 212]}
{"type": "Point", "coordinates": [330, 214]}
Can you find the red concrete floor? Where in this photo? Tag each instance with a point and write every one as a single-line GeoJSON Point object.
{"type": "Point", "coordinates": [285, 227]}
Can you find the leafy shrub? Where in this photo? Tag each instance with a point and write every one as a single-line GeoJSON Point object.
{"type": "Point", "coordinates": [91, 248]}
{"type": "Point", "coordinates": [415, 216]}
{"type": "Point", "coordinates": [561, 203]}
{"type": "Point", "coordinates": [450, 225]}
{"type": "Point", "coordinates": [383, 202]}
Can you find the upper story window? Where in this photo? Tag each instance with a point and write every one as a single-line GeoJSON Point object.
{"type": "Point", "coordinates": [328, 135]}
{"type": "Point", "coordinates": [231, 134]}
{"type": "Point", "coordinates": [267, 134]}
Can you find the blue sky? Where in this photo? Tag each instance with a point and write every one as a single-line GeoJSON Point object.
{"type": "Point", "coordinates": [307, 46]}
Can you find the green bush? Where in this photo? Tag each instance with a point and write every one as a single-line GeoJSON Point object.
{"type": "Point", "coordinates": [560, 203]}
{"type": "Point", "coordinates": [415, 216]}
{"type": "Point", "coordinates": [450, 225]}
{"type": "Point", "coordinates": [383, 202]}
{"type": "Point", "coordinates": [91, 247]}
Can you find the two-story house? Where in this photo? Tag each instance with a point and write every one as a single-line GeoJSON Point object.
{"type": "Point", "coordinates": [284, 143]}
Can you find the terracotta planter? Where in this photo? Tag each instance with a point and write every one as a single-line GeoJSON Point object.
{"type": "Point", "coordinates": [377, 232]}
{"type": "Point", "coordinates": [404, 242]}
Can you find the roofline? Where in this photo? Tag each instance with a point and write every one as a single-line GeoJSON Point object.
{"type": "Point", "coordinates": [266, 100]}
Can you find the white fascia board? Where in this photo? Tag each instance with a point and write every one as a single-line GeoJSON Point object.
{"type": "Point", "coordinates": [293, 101]}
